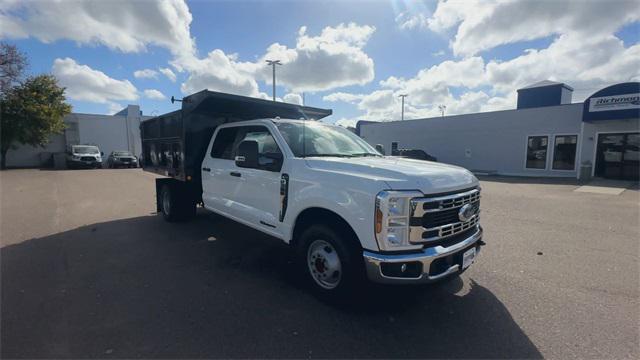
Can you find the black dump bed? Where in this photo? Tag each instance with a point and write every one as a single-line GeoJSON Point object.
{"type": "Point", "coordinates": [174, 144]}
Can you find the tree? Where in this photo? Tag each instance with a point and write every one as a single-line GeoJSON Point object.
{"type": "Point", "coordinates": [12, 65]}
{"type": "Point", "coordinates": [30, 113]}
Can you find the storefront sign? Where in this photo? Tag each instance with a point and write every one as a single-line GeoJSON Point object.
{"type": "Point", "coordinates": [615, 102]}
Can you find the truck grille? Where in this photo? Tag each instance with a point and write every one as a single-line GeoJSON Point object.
{"type": "Point", "coordinates": [88, 158]}
{"type": "Point", "coordinates": [437, 218]}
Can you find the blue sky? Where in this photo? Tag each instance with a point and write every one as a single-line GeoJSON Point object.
{"type": "Point", "coordinates": [352, 56]}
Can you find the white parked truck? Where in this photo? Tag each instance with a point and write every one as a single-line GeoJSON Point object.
{"type": "Point", "coordinates": [350, 213]}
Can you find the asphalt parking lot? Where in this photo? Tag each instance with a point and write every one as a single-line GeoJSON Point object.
{"type": "Point", "coordinates": [88, 270]}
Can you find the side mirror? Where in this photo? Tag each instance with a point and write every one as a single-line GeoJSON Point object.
{"type": "Point", "coordinates": [380, 149]}
{"type": "Point", "coordinates": [247, 154]}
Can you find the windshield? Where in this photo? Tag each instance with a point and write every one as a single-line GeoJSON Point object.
{"type": "Point", "coordinates": [323, 140]}
{"type": "Point", "coordinates": [121, 153]}
{"type": "Point", "coordinates": [85, 150]}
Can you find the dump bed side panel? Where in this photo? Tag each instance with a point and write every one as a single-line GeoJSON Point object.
{"type": "Point", "coordinates": [163, 145]}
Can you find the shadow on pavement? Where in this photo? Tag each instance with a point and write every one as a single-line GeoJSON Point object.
{"type": "Point", "coordinates": [141, 287]}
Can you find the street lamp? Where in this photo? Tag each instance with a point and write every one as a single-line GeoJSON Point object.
{"type": "Point", "coordinates": [273, 64]}
{"type": "Point", "coordinates": [442, 109]}
{"type": "Point", "coordinates": [402, 96]}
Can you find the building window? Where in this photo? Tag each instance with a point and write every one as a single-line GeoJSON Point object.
{"type": "Point", "coordinates": [564, 152]}
{"type": "Point", "coordinates": [537, 152]}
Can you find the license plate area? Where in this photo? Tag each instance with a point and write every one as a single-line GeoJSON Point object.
{"type": "Point", "coordinates": [468, 257]}
{"type": "Point", "coordinates": [440, 265]}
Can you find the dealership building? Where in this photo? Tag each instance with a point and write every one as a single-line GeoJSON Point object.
{"type": "Point", "coordinates": [117, 132]}
{"type": "Point", "coordinates": [546, 135]}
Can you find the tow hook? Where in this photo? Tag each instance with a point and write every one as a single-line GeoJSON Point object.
{"type": "Point", "coordinates": [481, 243]}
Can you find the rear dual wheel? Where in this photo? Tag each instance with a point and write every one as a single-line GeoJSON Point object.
{"type": "Point", "coordinates": [175, 204]}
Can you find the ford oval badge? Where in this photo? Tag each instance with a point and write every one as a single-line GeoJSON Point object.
{"type": "Point", "coordinates": [467, 212]}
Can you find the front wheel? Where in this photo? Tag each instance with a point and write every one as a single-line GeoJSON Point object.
{"type": "Point", "coordinates": [331, 261]}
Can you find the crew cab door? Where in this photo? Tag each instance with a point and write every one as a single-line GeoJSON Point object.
{"type": "Point", "coordinates": [220, 186]}
{"type": "Point", "coordinates": [259, 185]}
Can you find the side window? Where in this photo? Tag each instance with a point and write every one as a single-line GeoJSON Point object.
{"type": "Point", "coordinates": [269, 154]}
{"type": "Point", "coordinates": [564, 152]}
{"type": "Point", "coordinates": [537, 152]}
{"type": "Point", "coordinates": [223, 145]}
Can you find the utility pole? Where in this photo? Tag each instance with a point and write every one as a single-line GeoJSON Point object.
{"type": "Point", "coordinates": [273, 64]}
{"type": "Point", "coordinates": [442, 109]}
{"type": "Point", "coordinates": [402, 96]}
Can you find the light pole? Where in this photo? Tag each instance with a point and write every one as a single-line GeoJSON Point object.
{"type": "Point", "coordinates": [442, 109]}
{"type": "Point", "coordinates": [273, 64]}
{"type": "Point", "coordinates": [402, 96]}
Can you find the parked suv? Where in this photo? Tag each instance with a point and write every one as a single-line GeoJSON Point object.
{"type": "Point", "coordinates": [84, 156]}
{"type": "Point", "coordinates": [121, 159]}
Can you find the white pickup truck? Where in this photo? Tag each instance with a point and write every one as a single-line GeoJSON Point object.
{"type": "Point", "coordinates": [349, 212]}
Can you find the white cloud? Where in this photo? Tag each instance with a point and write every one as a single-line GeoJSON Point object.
{"type": "Point", "coordinates": [333, 59]}
{"type": "Point", "coordinates": [432, 84]}
{"type": "Point", "coordinates": [86, 84]}
{"type": "Point", "coordinates": [586, 63]}
{"type": "Point", "coordinates": [408, 20]}
{"type": "Point", "coordinates": [113, 108]}
{"type": "Point", "coordinates": [293, 98]}
{"type": "Point", "coordinates": [344, 97]}
{"type": "Point", "coordinates": [219, 72]}
{"type": "Point", "coordinates": [585, 54]}
{"type": "Point", "coordinates": [168, 73]}
{"type": "Point", "coordinates": [145, 74]}
{"type": "Point", "coordinates": [482, 25]}
{"type": "Point", "coordinates": [127, 26]}
{"type": "Point", "coordinates": [154, 94]}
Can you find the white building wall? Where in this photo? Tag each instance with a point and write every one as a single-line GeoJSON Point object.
{"type": "Point", "coordinates": [29, 156]}
{"type": "Point", "coordinates": [109, 132]}
{"type": "Point", "coordinates": [493, 142]}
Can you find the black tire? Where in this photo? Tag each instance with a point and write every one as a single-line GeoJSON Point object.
{"type": "Point", "coordinates": [179, 206]}
{"type": "Point", "coordinates": [351, 271]}
{"type": "Point", "coordinates": [168, 203]}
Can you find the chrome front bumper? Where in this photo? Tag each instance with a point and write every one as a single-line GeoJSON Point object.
{"type": "Point", "coordinates": [374, 261]}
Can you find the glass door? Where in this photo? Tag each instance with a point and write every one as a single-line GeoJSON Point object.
{"type": "Point", "coordinates": [617, 156]}
{"type": "Point", "coordinates": [630, 160]}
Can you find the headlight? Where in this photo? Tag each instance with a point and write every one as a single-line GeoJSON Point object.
{"type": "Point", "coordinates": [393, 212]}
{"type": "Point", "coordinates": [75, 157]}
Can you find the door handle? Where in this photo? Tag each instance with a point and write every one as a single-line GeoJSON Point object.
{"type": "Point", "coordinates": [206, 169]}
{"type": "Point", "coordinates": [235, 173]}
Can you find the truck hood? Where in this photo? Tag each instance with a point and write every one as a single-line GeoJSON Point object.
{"type": "Point", "coordinates": [401, 173]}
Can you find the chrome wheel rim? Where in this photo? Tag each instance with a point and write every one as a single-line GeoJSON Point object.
{"type": "Point", "coordinates": [166, 202]}
{"type": "Point", "coordinates": [324, 264]}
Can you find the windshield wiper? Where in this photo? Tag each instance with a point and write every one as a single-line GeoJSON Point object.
{"type": "Point", "coordinates": [327, 155]}
{"type": "Point", "coordinates": [364, 154]}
